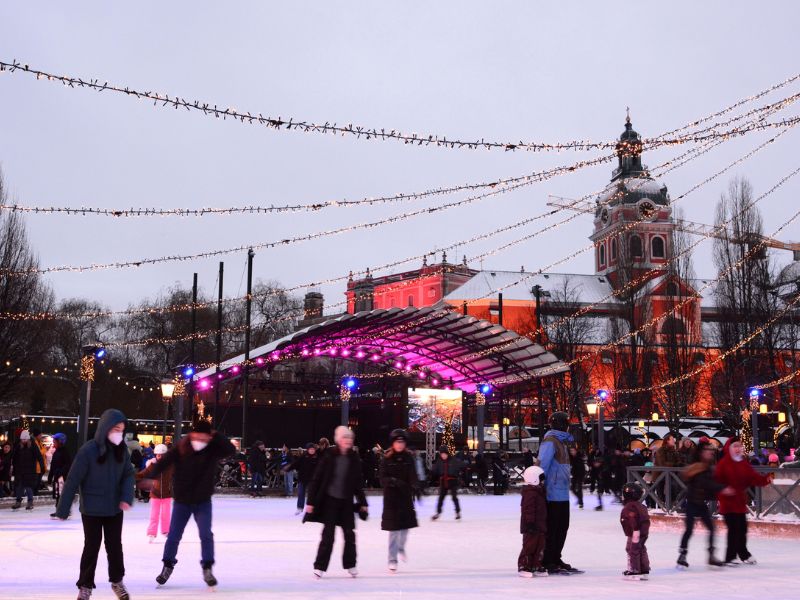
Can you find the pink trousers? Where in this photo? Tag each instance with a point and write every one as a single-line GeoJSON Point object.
{"type": "Point", "coordinates": [159, 508]}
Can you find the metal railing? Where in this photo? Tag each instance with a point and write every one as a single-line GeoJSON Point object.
{"type": "Point", "coordinates": [665, 489]}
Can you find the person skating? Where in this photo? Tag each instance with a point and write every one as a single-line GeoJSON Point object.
{"type": "Point", "coordinates": [398, 477]}
{"type": "Point", "coordinates": [337, 482]}
{"type": "Point", "coordinates": [554, 460]}
{"type": "Point", "coordinates": [59, 466]}
{"type": "Point", "coordinates": [533, 524]}
{"type": "Point", "coordinates": [700, 489]}
{"type": "Point", "coordinates": [257, 462]}
{"type": "Point", "coordinates": [5, 470]}
{"type": "Point", "coordinates": [160, 494]}
{"type": "Point", "coordinates": [27, 464]}
{"type": "Point", "coordinates": [103, 474]}
{"type": "Point", "coordinates": [734, 471]}
{"type": "Point", "coordinates": [305, 466]}
{"type": "Point", "coordinates": [635, 521]}
{"type": "Point", "coordinates": [445, 473]}
{"type": "Point", "coordinates": [195, 459]}
{"type": "Point", "coordinates": [578, 468]}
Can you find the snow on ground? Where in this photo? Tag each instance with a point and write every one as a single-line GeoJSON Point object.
{"type": "Point", "coordinates": [264, 551]}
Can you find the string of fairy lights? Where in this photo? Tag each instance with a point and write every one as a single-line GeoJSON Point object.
{"type": "Point", "coordinates": [79, 370]}
{"type": "Point", "coordinates": [350, 130]}
{"type": "Point", "coordinates": [675, 162]}
{"type": "Point", "coordinates": [760, 111]}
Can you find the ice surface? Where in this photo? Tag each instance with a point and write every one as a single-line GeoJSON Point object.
{"type": "Point", "coordinates": [263, 551]}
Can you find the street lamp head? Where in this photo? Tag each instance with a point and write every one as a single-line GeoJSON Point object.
{"type": "Point", "coordinates": [762, 409]}
{"type": "Point", "coordinates": [654, 416]}
{"type": "Point", "coordinates": [167, 389]}
{"type": "Point", "coordinates": [591, 408]}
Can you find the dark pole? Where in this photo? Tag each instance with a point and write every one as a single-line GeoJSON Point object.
{"type": "Point", "coordinates": [190, 381]}
{"type": "Point", "coordinates": [601, 427]}
{"type": "Point", "coordinates": [500, 419]}
{"type": "Point", "coordinates": [500, 309]}
{"type": "Point", "coordinates": [464, 309]}
{"type": "Point", "coordinates": [219, 344]}
{"type": "Point", "coordinates": [166, 417]}
{"type": "Point", "coordinates": [87, 376]}
{"type": "Point", "coordinates": [537, 290]}
{"type": "Point", "coordinates": [519, 420]}
{"type": "Point", "coordinates": [245, 376]}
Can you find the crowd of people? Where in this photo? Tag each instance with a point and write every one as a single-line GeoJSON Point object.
{"type": "Point", "coordinates": [179, 481]}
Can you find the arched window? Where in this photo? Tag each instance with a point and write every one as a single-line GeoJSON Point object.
{"type": "Point", "coordinates": [602, 254]}
{"type": "Point", "coordinates": [657, 247]}
{"type": "Point", "coordinates": [613, 249]}
{"type": "Point", "coordinates": [673, 326]}
{"type": "Point", "coordinates": [671, 289]}
{"type": "Point", "coordinates": [636, 246]}
{"type": "Point", "coordinates": [411, 300]}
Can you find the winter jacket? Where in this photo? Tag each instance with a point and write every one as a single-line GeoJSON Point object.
{"type": "Point", "coordinates": [257, 461]}
{"type": "Point", "coordinates": [27, 462]}
{"type": "Point", "coordinates": [533, 511]}
{"type": "Point", "coordinates": [667, 457]}
{"type": "Point", "coordinates": [103, 480]}
{"type": "Point", "coordinates": [554, 460]}
{"type": "Point", "coordinates": [5, 466]}
{"type": "Point", "coordinates": [740, 476]}
{"type": "Point", "coordinates": [398, 476]}
{"type": "Point", "coordinates": [634, 517]}
{"type": "Point", "coordinates": [700, 484]}
{"type": "Point", "coordinates": [162, 483]}
{"type": "Point", "coordinates": [195, 472]}
{"type": "Point", "coordinates": [445, 473]}
{"type": "Point", "coordinates": [305, 466]}
{"type": "Point", "coordinates": [318, 490]}
{"type": "Point", "coordinates": [60, 463]}
{"type": "Point", "coordinates": [578, 467]}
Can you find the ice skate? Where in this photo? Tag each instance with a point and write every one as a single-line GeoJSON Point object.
{"type": "Point", "coordinates": [401, 554]}
{"type": "Point", "coordinates": [84, 593]}
{"type": "Point", "coordinates": [120, 591]}
{"type": "Point", "coordinates": [392, 567]}
{"type": "Point", "coordinates": [458, 516]}
{"type": "Point", "coordinates": [29, 506]}
{"type": "Point", "coordinates": [632, 576]}
{"type": "Point", "coordinates": [165, 574]}
{"type": "Point", "coordinates": [645, 576]}
{"type": "Point", "coordinates": [682, 562]}
{"type": "Point", "coordinates": [353, 572]}
{"type": "Point", "coordinates": [16, 505]}
{"type": "Point", "coordinates": [433, 518]}
{"type": "Point", "coordinates": [541, 572]}
{"type": "Point", "coordinates": [151, 539]}
{"type": "Point", "coordinates": [525, 573]}
{"type": "Point", "coordinates": [599, 507]}
{"type": "Point", "coordinates": [750, 561]}
{"type": "Point", "coordinates": [209, 578]}
{"type": "Point", "coordinates": [713, 561]}
{"type": "Point", "coordinates": [318, 573]}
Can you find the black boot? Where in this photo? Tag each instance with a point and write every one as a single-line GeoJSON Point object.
{"type": "Point", "coordinates": [165, 573]}
{"type": "Point", "coordinates": [682, 562]}
{"type": "Point", "coordinates": [16, 505]}
{"type": "Point", "coordinates": [208, 577]}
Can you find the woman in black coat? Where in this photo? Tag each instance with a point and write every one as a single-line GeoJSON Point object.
{"type": "Point", "coordinates": [400, 485]}
{"type": "Point", "coordinates": [337, 482]}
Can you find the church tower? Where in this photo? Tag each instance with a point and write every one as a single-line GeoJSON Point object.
{"type": "Point", "coordinates": [633, 218]}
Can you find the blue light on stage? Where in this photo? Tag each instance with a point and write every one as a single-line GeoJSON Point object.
{"type": "Point", "coordinates": [350, 383]}
{"type": "Point", "coordinates": [188, 372]}
{"type": "Point", "coordinates": [755, 393]}
{"type": "Point", "coordinates": [486, 388]}
{"type": "Point", "coordinates": [602, 394]}
{"type": "Point", "coordinates": [100, 353]}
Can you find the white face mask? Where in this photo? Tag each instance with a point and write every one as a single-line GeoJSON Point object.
{"type": "Point", "coordinates": [115, 437]}
{"type": "Point", "coordinates": [198, 446]}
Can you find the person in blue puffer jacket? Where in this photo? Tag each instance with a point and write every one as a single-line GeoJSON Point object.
{"type": "Point", "coordinates": [103, 473]}
{"type": "Point", "coordinates": [554, 460]}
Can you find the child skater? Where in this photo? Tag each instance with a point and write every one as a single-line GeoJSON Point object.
{"type": "Point", "coordinates": [636, 524]}
{"type": "Point", "coordinates": [533, 524]}
{"type": "Point", "coordinates": [160, 494]}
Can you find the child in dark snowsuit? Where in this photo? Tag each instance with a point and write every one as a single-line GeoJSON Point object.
{"type": "Point", "coordinates": [533, 524]}
{"type": "Point", "coordinates": [635, 522]}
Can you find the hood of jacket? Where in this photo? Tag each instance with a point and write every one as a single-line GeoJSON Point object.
{"type": "Point", "coordinates": [107, 420]}
{"type": "Point", "coordinates": [562, 436]}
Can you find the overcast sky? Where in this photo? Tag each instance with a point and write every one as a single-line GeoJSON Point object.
{"type": "Point", "coordinates": [552, 71]}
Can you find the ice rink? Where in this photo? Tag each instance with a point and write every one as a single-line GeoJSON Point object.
{"type": "Point", "coordinates": [263, 550]}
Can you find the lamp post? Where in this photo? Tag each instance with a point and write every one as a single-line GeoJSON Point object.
{"type": "Point", "coordinates": [755, 397]}
{"type": "Point", "coordinates": [591, 408]}
{"type": "Point", "coordinates": [538, 292]}
{"type": "Point", "coordinates": [167, 390]}
{"type": "Point", "coordinates": [602, 397]}
{"type": "Point", "coordinates": [88, 356]}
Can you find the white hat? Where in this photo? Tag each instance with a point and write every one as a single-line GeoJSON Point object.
{"type": "Point", "coordinates": [342, 432]}
{"type": "Point", "coordinates": [160, 449]}
{"type": "Point", "coordinates": [25, 436]}
{"type": "Point", "coordinates": [532, 475]}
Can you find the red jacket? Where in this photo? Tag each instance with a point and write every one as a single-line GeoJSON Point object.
{"type": "Point", "coordinates": [738, 475]}
{"type": "Point", "coordinates": [533, 518]}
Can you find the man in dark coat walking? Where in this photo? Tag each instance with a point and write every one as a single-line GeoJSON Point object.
{"type": "Point", "coordinates": [445, 472]}
{"type": "Point", "coordinates": [337, 482]}
{"type": "Point", "coordinates": [257, 463]}
{"type": "Point", "coordinates": [398, 477]}
{"type": "Point", "coordinates": [305, 466]}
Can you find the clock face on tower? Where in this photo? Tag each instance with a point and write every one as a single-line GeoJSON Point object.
{"type": "Point", "coordinates": [604, 216]}
{"type": "Point", "coordinates": [647, 210]}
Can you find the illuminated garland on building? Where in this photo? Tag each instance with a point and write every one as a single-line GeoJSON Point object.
{"type": "Point", "coordinates": [359, 132]}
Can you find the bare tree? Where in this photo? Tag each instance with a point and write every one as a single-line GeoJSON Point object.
{"type": "Point", "coordinates": [23, 343]}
